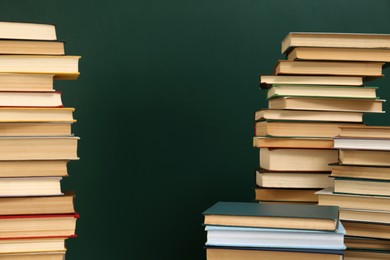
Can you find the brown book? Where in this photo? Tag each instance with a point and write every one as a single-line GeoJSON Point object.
{"type": "Point", "coordinates": [297, 159]}
{"type": "Point", "coordinates": [327, 197]}
{"type": "Point", "coordinates": [339, 54]}
{"type": "Point", "coordinates": [365, 157]}
{"type": "Point", "coordinates": [365, 69]}
{"type": "Point", "coordinates": [267, 81]}
{"type": "Point", "coordinates": [362, 254]}
{"type": "Point", "coordinates": [230, 254]}
{"type": "Point", "coordinates": [339, 40]}
{"type": "Point", "coordinates": [366, 229]}
{"type": "Point", "coordinates": [292, 142]}
{"type": "Point", "coordinates": [298, 129]}
{"type": "Point", "coordinates": [37, 205]}
{"type": "Point", "coordinates": [300, 180]}
{"type": "Point", "coordinates": [286, 195]}
{"type": "Point", "coordinates": [360, 172]}
{"type": "Point", "coordinates": [31, 47]}
{"type": "Point", "coordinates": [367, 243]}
{"type": "Point", "coordinates": [307, 115]}
{"type": "Point", "coordinates": [327, 104]}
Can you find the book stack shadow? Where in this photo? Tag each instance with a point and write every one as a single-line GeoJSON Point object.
{"type": "Point", "coordinates": [251, 231]}
{"type": "Point", "coordinates": [36, 140]}
{"type": "Point", "coordinates": [314, 145]}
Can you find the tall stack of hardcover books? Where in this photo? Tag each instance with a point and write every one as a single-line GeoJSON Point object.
{"type": "Point", "coordinates": [251, 231]}
{"type": "Point", "coordinates": [36, 142]}
{"type": "Point", "coordinates": [316, 99]}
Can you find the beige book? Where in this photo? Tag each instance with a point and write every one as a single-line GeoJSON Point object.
{"type": "Point", "coordinates": [268, 80]}
{"type": "Point", "coordinates": [27, 31]}
{"type": "Point", "coordinates": [26, 82]}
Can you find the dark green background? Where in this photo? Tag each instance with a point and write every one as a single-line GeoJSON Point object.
{"type": "Point", "coordinates": [165, 105]}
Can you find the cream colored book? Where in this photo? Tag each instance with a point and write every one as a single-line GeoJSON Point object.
{"type": "Point", "coordinates": [26, 82]}
{"type": "Point", "coordinates": [35, 129]}
{"type": "Point", "coordinates": [365, 69]}
{"type": "Point", "coordinates": [36, 114]}
{"type": "Point", "coordinates": [36, 186]}
{"type": "Point", "coordinates": [31, 245]}
{"type": "Point", "coordinates": [27, 31]}
{"type": "Point", "coordinates": [332, 39]}
{"type": "Point", "coordinates": [33, 168]}
{"type": "Point", "coordinates": [268, 80]}
{"type": "Point", "coordinates": [297, 159]}
{"type": "Point", "coordinates": [38, 148]}
{"type": "Point", "coordinates": [31, 47]}
{"type": "Point", "coordinates": [62, 67]}
{"type": "Point", "coordinates": [339, 54]}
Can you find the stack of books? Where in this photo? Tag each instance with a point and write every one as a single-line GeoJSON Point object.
{"type": "Point", "coordinates": [36, 217]}
{"type": "Point", "coordinates": [251, 231]}
{"type": "Point", "coordinates": [362, 189]}
{"type": "Point", "coordinates": [316, 91]}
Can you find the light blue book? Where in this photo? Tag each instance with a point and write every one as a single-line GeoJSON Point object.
{"type": "Point", "coordinates": [275, 238]}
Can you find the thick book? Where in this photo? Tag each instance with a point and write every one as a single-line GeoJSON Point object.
{"type": "Point", "coordinates": [27, 31]}
{"type": "Point", "coordinates": [298, 128]}
{"type": "Point", "coordinates": [362, 202]}
{"type": "Point", "coordinates": [37, 205]}
{"type": "Point", "coordinates": [267, 81]}
{"type": "Point", "coordinates": [246, 214]}
{"type": "Point", "coordinates": [339, 54]}
{"type": "Point", "coordinates": [333, 39]}
{"type": "Point", "coordinates": [308, 115]}
{"type": "Point", "coordinates": [62, 67]}
{"type": "Point", "coordinates": [275, 238]}
{"type": "Point", "coordinates": [292, 142]}
{"type": "Point", "coordinates": [38, 148]}
{"type": "Point", "coordinates": [36, 114]}
{"type": "Point", "coordinates": [365, 69]}
{"type": "Point", "coordinates": [361, 143]}
{"type": "Point", "coordinates": [367, 229]}
{"type": "Point", "coordinates": [29, 226]}
{"type": "Point", "coordinates": [327, 104]}
{"type": "Point", "coordinates": [33, 168]}
{"type": "Point", "coordinates": [364, 157]}
{"type": "Point", "coordinates": [285, 195]}
{"type": "Point", "coordinates": [361, 171]}
{"type": "Point", "coordinates": [31, 47]}
{"type": "Point", "coordinates": [309, 160]}
{"type": "Point", "coordinates": [26, 82]}
{"type": "Point", "coordinates": [30, 99]}
{"type": "Point", "coordinates": [266, 253]}
{"type": "Point", "coordinates": [362, 186]}
{"type": "Point", "coordinates": [321, 91]}
{"type": "Point", "coordinates": [34, 186]}
{"type": "Point", "coordinates": [300, 180]}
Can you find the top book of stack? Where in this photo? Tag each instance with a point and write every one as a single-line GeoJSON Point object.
{"type": "Point", "coordinates": [338, 40]}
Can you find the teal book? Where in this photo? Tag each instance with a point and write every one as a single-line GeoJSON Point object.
{"type": "Point", "coordinates": [293, 216]}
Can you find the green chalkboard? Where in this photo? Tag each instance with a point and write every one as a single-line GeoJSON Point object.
{"type": "Point", "coordinates": [165, 106]}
